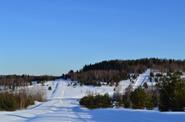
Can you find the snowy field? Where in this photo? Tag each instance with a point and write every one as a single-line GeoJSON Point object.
{"type": "Point", "coordinates": [63, 106]}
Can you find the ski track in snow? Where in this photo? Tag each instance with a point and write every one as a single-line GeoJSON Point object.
{"type": "Point", "coordinates": [55, 109]}
{"type": "Point", "coordinates": [63, 106]}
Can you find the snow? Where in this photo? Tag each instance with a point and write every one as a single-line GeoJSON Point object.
{"type": "Point", "coordinates": [183, 76]}
{"type": "Point", "coordinates": [141, 79]}
{"type": "Point", "coordinates": [122, 86]}
{"type": "Point", "coordinates": [126, 115]}
{"type": "Point", "coordinates": [63, 106]}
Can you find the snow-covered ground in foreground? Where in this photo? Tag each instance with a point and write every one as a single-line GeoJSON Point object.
{"type": "Point", "coordinates": [63, 106]}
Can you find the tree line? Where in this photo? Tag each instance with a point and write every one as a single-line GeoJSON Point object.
{"type": "Point", "coordinates": [13, 81]}
{"type": "Point", "coordinates": [115, 70]}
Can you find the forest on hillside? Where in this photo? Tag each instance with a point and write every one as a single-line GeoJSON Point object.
{"type": "Point", "coordinates": [115, 70]}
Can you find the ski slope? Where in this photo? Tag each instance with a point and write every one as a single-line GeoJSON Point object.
{"type": "Point", "coordinates": [63, 106]}
{"type": "Point", "coordinates": [141, 79]}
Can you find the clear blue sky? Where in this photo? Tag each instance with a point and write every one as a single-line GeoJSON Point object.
{"type": "Point", "coordinates": [54, 36]}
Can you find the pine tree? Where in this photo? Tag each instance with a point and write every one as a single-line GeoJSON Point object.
{"type": "Point", "coordinates": [172, 93]}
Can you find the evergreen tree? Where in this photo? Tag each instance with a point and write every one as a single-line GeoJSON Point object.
{"type": "Point", "coordinates": [172, 93]}
{"type": "Point", "coordinates": [138, 98]}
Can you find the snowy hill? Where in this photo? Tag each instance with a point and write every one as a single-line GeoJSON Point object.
{"type": "Point", "coordinates": [63, 106]}
{"type": "Point", "coordinates": [139, 81]}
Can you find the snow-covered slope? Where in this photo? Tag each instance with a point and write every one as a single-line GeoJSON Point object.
{"type": "Point", "coordinates": [141, 79]}
{"type": "Point", "coordinates": [63, 106]}
{"type": "Point", "coordinates": [122, 86]}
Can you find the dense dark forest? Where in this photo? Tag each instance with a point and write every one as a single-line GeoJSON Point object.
{"type": "Point", "coordinates": [115, 70]}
